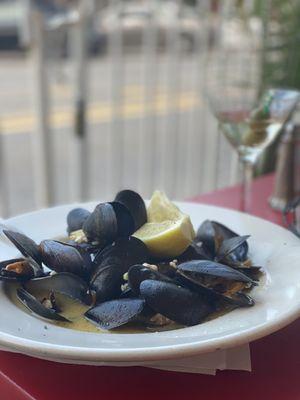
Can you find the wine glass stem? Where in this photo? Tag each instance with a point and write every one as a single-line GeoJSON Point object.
{"type": "Point", "coordinates": [246, 200]}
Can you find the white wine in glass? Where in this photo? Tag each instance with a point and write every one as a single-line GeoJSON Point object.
{"type": "Point", "coordinates": [251, 131]}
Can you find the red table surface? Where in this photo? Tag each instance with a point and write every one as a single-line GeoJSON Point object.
{"type": "Point", "coordinates": [275, 359]}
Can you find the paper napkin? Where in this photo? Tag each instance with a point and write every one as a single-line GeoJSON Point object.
{"type": "Point", "coordinates": [237, 358]}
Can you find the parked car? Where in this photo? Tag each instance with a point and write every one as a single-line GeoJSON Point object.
{"type": "Point", "coordinates": [132, 19]}
{"type": "Point", "coordinates": [12, 27]}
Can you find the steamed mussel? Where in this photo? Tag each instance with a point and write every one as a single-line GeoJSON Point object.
{"type": "Point", "coordinates": [116, 279]}
{"type": "Point", "coordinates": [24, 268]}
{"type": "Point", "coordinates": [76, 218]}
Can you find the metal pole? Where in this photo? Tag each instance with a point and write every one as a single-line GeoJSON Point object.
{"type": "Point", "coordinates": [41, 138]}
{"type": "Point", "coordinates": [79, 182]}
{"type": "Point", "coordinates": [147, 140]}
{"type": "Point", "coordinates": [116, 143]}
{"type": "Point", "coordinates": [4, 189]}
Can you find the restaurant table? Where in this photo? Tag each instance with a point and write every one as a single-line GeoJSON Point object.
{"type": "Point", "coordinates": [275, 358]}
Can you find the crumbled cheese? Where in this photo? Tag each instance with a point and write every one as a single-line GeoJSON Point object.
{"type": "Point", "coordinates": [47, 303]}
{"type": "Point", "coordinates": [124, 287]}
{"type": "Point", "coordinates": [151, 266]}
{"type": "Point", "coordinates": [173, 263]}
{"type": "Point", "coordinates": [78, 236]}
{"type": "Point", "coordinates": [160, 320]}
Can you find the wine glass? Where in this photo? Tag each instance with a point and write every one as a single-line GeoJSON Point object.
{"type": "Point", "coordinates": [249, 115]}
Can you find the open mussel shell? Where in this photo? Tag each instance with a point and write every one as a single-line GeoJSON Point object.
{"type": "Point", "coordinates": [195, 285]}
{"type": "Point", "coordinates": [254, 272]}
{"type": "Point", "coordinates": [76, 219]}
{"type": "Point", "coordinates": [190, 281]}
{"type": "Point", "coordinates": [206, 235]}
{"type": "Point", "coordinates": [195, 251]}
{"type": "Point", "coordinates": [224, 233]}
{"type": "Point", "coordinates": [85, 253]}
{"type": "Point", "coordinates": [125, 221]}
{"type": "Point", "coordinates": [213, 269]}
{"type": "Point", "coordinates": [64, 283]}
{"type": "Point", "coordinates": [175, 302]}
{"type": "Point", "coordinates": [139, 273]}
{"type": "Point", "coordinates": [115, 313]}
{"type": "Point", "coordinates": [128, 251]}
{"type": "Point", "coordinates": [230, 246]}
{"type": "Point", "coordinates": [212, 234]}
{"type": "Point", "coordinates": [166, 269]}
{"type": "Point", "coordinates": [37, 308]}
{"type": "Point", "coordinates": [114, 261]}
{"type": "Point", "coordinates": [61, 257]}
{"type": "Point", "coordinates": [107, 222]}
{"type": "Point", "coordinates": [106, 282]}
{"type": "Point", "coordinates": [239, 299]}
{"type": "Point", "coordinates": [27, 247]}
{"type": "Point", "coordinates": [16, 270]}
{"type": "Point", "coordinates": [136, 206]}
{"type": "Point", "coordinates": [84, 246]}
{"type": "Point", "coordinates": [127, 293]}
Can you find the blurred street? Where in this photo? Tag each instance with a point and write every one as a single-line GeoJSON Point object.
{"type": "Point", "coordinates": [143, 67]}
{"type": "Point", "coordinates": [181, 101]}
{"type": "Point", "coordinates": [23, 121]}
{"type": "Point", "coordinates": [16, 103]}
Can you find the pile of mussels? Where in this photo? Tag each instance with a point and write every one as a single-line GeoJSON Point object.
{"type": "Point", "coordinates": [103, 266]}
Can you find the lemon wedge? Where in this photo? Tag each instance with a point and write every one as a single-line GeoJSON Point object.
{"type": "Point", "coordinates": [168, 231]}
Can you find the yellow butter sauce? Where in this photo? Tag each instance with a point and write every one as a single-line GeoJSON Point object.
{"type": "Point", "coordinates": [74, 310]}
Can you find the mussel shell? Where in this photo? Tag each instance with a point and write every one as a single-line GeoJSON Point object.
{"type": "Point", "coordinates": [128, 251]}
{"type": "Point", "coordinates": [107, 222]}
{"type": "Point", "coordinates": [127, 293]}
{"type": "Point", "coordinates": [101, 225]}
{"type": "Point", "coordinates": [25, 245]}
{"type": "Point", "coordinates": [254, 272]}
{"type": "Point", "coordinates": [214, 269]}
{"type": "Point", "coordinates": [37, 308]}
{"type": "Point", "coordinates": [138, 273]}
{"type": "Point", "coordinates": [76, 219]}
{"type": "Point", "coordinates": [189, 282]}
{"type": "Point", "coordinates": [206, 235]}
{"type": "Point", "coordinates": [61, 257]}
{"type": "Point", "coordinates": [136, 206]}
{"type": "Point", "coordinates": [238, 299]}
{"type": "Point", "coordinates": [11, 276]}
{"type": "Point", "coordinates": [175, 302]}
{"type": "Point", "coordinates": [212, 234]}
{"type": "Point", "coordinates": [195, 251]}
{"type": "Point", "coordinates": [224, 233]}
{"type": "Point", "coordinates": [65, 283]}
{"type": "Point", "coordinates": [166, 269]}
{"type": "Point", "coordinates": [114, 261]}
{"type": "Point", "coordinates": [106, 282]}
{"type": "Point", "coordinates": [230, 246]}
{"type": "Point", "coordinates": [115, 313]}
{"type": "Point", "coordinates": [84, 246]}
{"type": "Point", "coordinates": [84, 252]}
{"type": "Point", "coordinates": [125, 221]}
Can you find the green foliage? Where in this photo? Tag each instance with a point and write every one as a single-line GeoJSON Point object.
{"type": "Point", "coordinates": [281, 66]}
{"type": "Point", "coordinates": [281, 57]}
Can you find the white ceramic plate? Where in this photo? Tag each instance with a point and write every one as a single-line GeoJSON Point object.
{"type": "Point", "coordinates": [277, 300]}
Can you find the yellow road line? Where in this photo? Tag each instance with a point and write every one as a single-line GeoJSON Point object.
{"type": "Point", "coordinates": [104, 112]}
